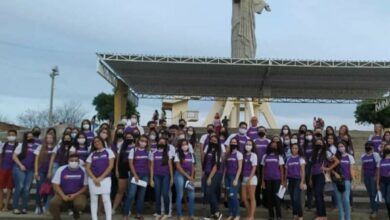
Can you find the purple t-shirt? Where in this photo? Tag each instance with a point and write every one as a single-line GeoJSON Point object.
{"type": "Point", "coordinates": [252, 133]}
{"type": "Point", "coordinates": [83, 153]}
{"type": "Point", "coordinates": [29, 159]}
{"type": "Point", "coordinates": [187, 162]}
{"type": "Point", "coordinates": [384, 167]}
{"type": "Point", "coordinates": [100, 161]}
{"type": "Point", "coordinates": [293, 166]}
{"type": "Point", "coordinates": [369, 165]}
{"type": "Point", "coordinates": [70, 180]}
{"type": "Point", "coordinates": [6, 154]}
{"type": "Point", "coordinates": [232, 162]}
{"type": "Point", "coordinates": [140, 159]}
{"type": "Point", "coordinates": [308, 151]}
{"type": "Point", "coordinates": [346, 166]}
{"type": "Point", "coordinates": [261, 147]}
{"type": "Point", "coordinates": [271, 163]}
{"type": "Point", "coordinates": [249, 161]}
{"type": "Point", "coordinates": [376, 141]}
{"type": "Point", "coordinates": [89, 136]}
{"type": "Point", "coordinates": [158, 167]}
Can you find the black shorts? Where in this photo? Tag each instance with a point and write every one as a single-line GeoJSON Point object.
{"type": "Point", "coordinates": [123, 172]}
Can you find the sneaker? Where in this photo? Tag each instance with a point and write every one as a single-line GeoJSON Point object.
{"type": "Point", "coordinates": [156, 215]}
{"type": "Point", "coordinates": [24, 211]}
{"type": "Point", "coordinates": [70, 212]}
{"type": "Point", "coordinates": [16, 212]}
{"type": "Point", "coordinates": [373, 215]}
{"type": "Point", "coordinates": [236, 218]}
{"type": "Point", "coordinates": [218, 215]}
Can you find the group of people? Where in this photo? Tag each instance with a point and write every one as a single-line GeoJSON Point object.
{"type": "Point", "coordinates": [125, 165]}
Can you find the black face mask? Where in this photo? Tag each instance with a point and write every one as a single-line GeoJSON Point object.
{"type": "Point", "coordinates": [386, 151]}
{"type": "Point", "coordinates": [119, 135]}
{"type": "Point", "coordinates": [210, 131]}
{"type": "Point", "coordinates": [302, 131]}
{"type": "Point", "coordinates": [368, 149]}
{"type": "Point", "coordinates": [213, 145]}
{"type": "Point", "coordinates": [30, 141]}
{"type": "Point", "coordinates": [261, 133]}
{"type": "Point", "coordinates": [318, 146]}
{"type": "Point", "coordinates": [181, 126]}
{"type": "Point", "coordinates": [67, 142]}
{"type": "Point", "coordinates": [130, 141]}
{"type": "Point", "coordinates": [36, 133]}
{"type": "Point", "coordinates": [233, 147]}
{"type": "Point", "coordinates": [161, 146]}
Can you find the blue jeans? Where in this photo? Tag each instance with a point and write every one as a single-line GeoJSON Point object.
{"type": "Point", "coordinates": [212, 192]}
{"type": "Point", "coordinates": [343, 201]}
{"type": "Point", "coordinates": [180, 181]}
{"type": "Point", "coordinates": [369, 182]}
{"type": "Point", "coordinates": [23, 181]}
{"type": "Point", "coordinates": [385, 189]}
{"type": "Point", "coordinates": [40, 200]}
{"type": "Point", "coordinates": [161, 187]}
{"type": "Point", "coordinates": [295, 194]}
{"type": "Point", "coordinates": [232, 192]}
{"type": "Point", "coordinates": [318, 182]}
{"type": "Point", "coordinates": [131, 192]}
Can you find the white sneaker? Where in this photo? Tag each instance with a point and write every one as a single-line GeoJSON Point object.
{"type": "Point", "coordinates": [156, 215]}
{"type": "Point", "coordinates": [70, 212]}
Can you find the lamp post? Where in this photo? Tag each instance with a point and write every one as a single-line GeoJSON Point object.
{"type": "Point", "coordinates": [53, 74]}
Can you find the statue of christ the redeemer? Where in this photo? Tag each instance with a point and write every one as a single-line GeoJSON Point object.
{"type": "Point", "coordinates": [243, 27]}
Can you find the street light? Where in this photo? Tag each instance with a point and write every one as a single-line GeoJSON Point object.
{"type": "Point", "coordinates": [53, 74]}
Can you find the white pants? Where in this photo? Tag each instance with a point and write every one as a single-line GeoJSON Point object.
{"type": "Point", "coordinates": [106, 203]}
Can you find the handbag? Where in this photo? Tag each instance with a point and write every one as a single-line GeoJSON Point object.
{"type": "Point", "coordinates": [46, 188]}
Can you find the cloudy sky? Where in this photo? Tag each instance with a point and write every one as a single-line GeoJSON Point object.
{"type": "Point", "coordinates": [35, 35]}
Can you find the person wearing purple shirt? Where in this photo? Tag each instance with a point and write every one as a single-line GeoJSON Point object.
{"type": "Point", "coordinates": [295, 170]}
{"type": "Point", "coordinates": [249, 179]}
{"type": "Point", "coordinates": [252, 132]}
{"type": "Point", "coordinates": [346, 163]}
{"type": "Point", "coordinates": [60, 153]}
{"type": "Point", "coordinates": [99, 166]}
{"type": "Point", "coordinates": [376, 138]}
{"type": "Point", "coordinates": [81, 147]}
{"type": "Point", "coordinates": [213, 170]}
{"type": "Point", "coordinates": [370, 161]}
{"type": "Point", "coordinates": [140, 170]}
{"type": "Point", "coordinates": [241, 136]}
{"type": "Point", "coordinates": [36, 131]}
{"type": "Point", "coordinates": [133, 125]}
{"type": "Point", "coordinates": [70, 185]}
{"type": "Point", "coordinates": [273, 176]}
{"type": "Point", "coordinates": [232, 173]}
{"type": "Point", "coordinates": [23, 172]}
{"type": "Point", "coordinates": [383, 172]}
{"type": "Point", "coordinates": [6, 164]}
{"type": "Point", "coordinates": [86, 129]}
{"type": "Point", "coordinates": [308, 152]}
{"type": "Point", "coordinates": [184, 178]}
{"type": "Point", "coordinates": [41, 171]}
{"type": "Point", "coordinates": [161, 175]}
{"type": "Point", "coordinates": [122, 168]}
{"type": "Point", "coordinates": [261, 144]}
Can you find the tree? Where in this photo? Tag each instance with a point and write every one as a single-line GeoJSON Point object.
{"type": "Point", "coordinates": [69, 113]}
{"type": "Point", "coordinates": [365, 114]}
{"type": "Point", "coordinates": [104, 105]}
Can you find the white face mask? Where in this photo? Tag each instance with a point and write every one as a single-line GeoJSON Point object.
{"type": "Point", "coordinates": [124, 121]}
{"type": "Point", "coordinates": [184, 148]}
{"type": "Point", "coordinates": [11, 138]}
{"type": "Point", "coordinates": [342, 149]}
{"type": "Point", "coordinates": [248, 148]}
{"type": "Point", "coordinates": [309, 137]}
{"type": "Point", "coordinates": [133, 121]}
{"type": "Point", "coordinates": [190, 133]}
{"type": "Point", "coordinates": [73, 135]}
{"type": "Point", "coordinates": [152, 137]}
{"type": "Point", "coordinates": [86, 126]}
{"type": "Point", "coordinates": [73, 165]}
{"type": "Point", "coordinates": [81, 140]}
{"type": "Point", "coordinates": [294, 141]}
{"type": "Point", "coordinates": [182, 136]}
{"type": "Point", "coordinates": [242, 130]}
{"type": "Point", "coordinates": [285, 131]}
{"type": "Point", "coordinates": [103, 135]}
{"type": "Point", "coordinates": [287, 142]}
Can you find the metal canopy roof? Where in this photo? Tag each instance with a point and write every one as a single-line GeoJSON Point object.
{"type": "Point", "coordinates": [160, 76]}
